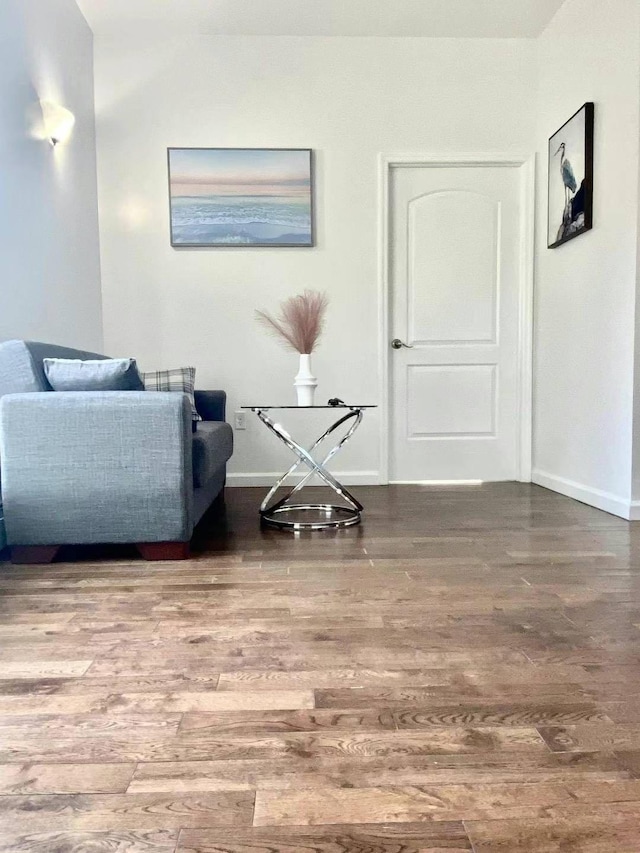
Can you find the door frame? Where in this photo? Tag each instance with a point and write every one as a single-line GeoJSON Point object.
{"type": "Point", "coordinates": [526, 163]}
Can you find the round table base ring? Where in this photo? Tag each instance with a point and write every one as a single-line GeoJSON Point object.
{"type": "Point", "coordinates": [344, 517]}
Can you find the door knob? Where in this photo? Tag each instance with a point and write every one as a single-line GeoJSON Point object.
{"type": "Point", "coordinates": [396, 343]}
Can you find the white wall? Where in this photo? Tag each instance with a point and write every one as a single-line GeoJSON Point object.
{"type": "Point", "coordinates": [635, 489]}
{"type": "Point", "coordinates": [586, 289]}
{"type": "Point", "coordinates": [49, 253]}
{"type": "Point", "coordinates": [350, 99]}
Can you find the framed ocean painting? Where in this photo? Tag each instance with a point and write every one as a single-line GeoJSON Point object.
{"type": "Point", "coordinates": [241, 197]}
{"type": "Point", "coordinates": [570, 211]}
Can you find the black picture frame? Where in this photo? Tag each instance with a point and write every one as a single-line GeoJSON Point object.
{"type": "Point", "coordinates": [270, 244]}
{"type": "Point", "coordinates": [572, 216]}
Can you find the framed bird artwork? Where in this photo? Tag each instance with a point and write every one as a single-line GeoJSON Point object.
{"type": "Point", "coordinates": [570, 206]}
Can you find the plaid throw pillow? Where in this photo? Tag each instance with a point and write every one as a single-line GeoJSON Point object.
{"type": "Point", "coordinates": [181, 379]}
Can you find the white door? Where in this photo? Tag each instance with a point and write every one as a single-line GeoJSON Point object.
{"type": "Point", "coordinates": [455, 266]}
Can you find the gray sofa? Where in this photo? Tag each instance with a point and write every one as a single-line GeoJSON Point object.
{"type": "Point", "coordinates": [103, 467]}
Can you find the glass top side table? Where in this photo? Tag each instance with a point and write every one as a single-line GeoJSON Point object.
{"type": "Point", "coordinates": [287, 514]}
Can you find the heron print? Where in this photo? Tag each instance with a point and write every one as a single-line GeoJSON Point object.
{"type": "Point", "coordinates": [571, 178]}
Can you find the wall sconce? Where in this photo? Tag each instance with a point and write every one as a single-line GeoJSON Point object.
{"type": "Point", "coordinates": [58, 122]}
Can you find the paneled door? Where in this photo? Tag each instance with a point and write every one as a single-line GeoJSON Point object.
{"type": "Point", "coordinates": [455, 265]}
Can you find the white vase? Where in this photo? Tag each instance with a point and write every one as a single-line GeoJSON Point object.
{"type": "Point", "coordinates": [306, 383]}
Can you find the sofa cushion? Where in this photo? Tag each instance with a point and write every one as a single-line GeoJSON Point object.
{"type": "Point", "coordinates": [180, 379]}
{"type": "Point", "coordinates": [212, 447]}
{"type": "Point", "coordinates": [21, 369]}
{"type": "Point", "coordinates": [105, 374]}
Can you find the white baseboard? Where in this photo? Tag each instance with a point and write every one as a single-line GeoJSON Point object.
{"type": "Point", "coordinates": [607, 501]}
{"type": "Point", "coordinates": [348, 478]}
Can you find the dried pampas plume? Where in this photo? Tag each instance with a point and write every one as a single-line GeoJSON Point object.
{"type": "Point", "coordinates": [300, 322]}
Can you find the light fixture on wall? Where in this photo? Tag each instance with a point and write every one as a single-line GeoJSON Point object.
{"type": "Point", "coordinates": [58, 122]}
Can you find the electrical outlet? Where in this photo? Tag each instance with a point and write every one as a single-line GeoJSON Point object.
{"type": "Point", "coordinates": [240, 420]}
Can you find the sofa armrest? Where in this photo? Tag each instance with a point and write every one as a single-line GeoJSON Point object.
{"type": "Point", "coordinates": [211, 405]}
{"type": "Point", "coordinates": [96, 467]}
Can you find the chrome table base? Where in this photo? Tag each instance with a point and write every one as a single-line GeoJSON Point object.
{"type": "Point", "coordinates": [278, 513]}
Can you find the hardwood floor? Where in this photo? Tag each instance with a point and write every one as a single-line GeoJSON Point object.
{"type": "Point", "coordinates": [460, 673]}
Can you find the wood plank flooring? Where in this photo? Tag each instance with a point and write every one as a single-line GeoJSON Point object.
{"type": "Point", "coordinates": [460, 673]}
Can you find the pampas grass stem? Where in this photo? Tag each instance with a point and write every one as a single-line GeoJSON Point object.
{"type": "Point", "coordinates": [300, 322]}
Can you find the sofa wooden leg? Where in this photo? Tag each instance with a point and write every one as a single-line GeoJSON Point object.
{"type": "Point", "coordinates": [164, 550]}
{"type": "Point", "coordinates": [23, 554]}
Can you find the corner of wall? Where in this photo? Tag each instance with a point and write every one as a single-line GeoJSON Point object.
{"type": "Point", "coordinates": [585, 414]}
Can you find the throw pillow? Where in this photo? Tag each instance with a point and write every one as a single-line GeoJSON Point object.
{"type": "Point", "coordinates": [107, 374]}
{"type": "Point", "coordinates": [181, 379]}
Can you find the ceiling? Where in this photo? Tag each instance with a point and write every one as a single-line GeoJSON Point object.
{"type": "Point", "coordinates": [436, 18]}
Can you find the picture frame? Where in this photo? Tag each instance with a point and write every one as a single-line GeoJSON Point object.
{"type": "Point", "coordinates": [241, 197]}
{"type": "Point", "coordinates": [570, 178]}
